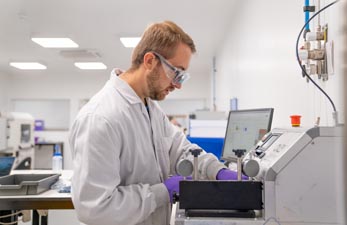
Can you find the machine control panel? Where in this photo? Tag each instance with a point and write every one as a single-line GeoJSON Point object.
{"type": "Point", "coordinates": [265, 144]}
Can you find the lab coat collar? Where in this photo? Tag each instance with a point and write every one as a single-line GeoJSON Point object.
{"type": "Point", "coordinates": [124, 89]}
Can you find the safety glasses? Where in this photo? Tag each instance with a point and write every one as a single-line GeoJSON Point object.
{"type": "Point", "coordinates": [178, 76]}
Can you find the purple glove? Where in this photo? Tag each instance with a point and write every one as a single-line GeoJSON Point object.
{"type": "Point", "coordinates": [226, 174]}
{"type": "Point", "coordinates": [172, 185]}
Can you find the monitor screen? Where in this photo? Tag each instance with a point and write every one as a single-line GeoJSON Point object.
{"type": "Point", "coordinates": [6, 165]}
{"type": "Point", "coordinates": [244, 129]}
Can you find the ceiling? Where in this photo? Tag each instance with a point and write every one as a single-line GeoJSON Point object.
{"type": "Point", "coordinates": [96, 25]}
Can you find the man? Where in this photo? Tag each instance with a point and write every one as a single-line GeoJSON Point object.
{"type": "Point", "coordinates": [125, 150]}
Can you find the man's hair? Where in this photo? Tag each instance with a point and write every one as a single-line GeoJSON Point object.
{"type": "Point", "coordinates": [162, 38]}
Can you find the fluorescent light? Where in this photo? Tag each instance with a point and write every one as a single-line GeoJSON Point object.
{"type": "Point", "coordinates": [55, 42]}
{"type": "Point", "coordinates": [91, 65]}
{"type": "Point", "coordinates": [28, 65]}
{"type": "Point", "coordinates": [130, 42]}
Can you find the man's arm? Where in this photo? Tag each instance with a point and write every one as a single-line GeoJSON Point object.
{"type": "Point", "coordinates": [209, 165]}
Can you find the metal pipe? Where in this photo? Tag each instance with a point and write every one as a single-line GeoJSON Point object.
{"type": "Point", "coordinates": [307, 15]}
{"type": "Point", "coordinates": [318, 20]}
{"type": "Point", "coordinates": [196, 153]}
{"type": "Point", "coordinates": [239, 169]}
{"type": "Point", "coordinates": [196, 163]}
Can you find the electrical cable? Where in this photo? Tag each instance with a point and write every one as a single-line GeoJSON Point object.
{"type": "Point", "coordinates": [9, 215]}
{"type": "Point", "coordinates": [12, 214]}
{"type": "Point", "coordinates": [298, 58]}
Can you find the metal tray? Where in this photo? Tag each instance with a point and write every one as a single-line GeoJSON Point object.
{"type": "Point", "coordinates": [26, 184]}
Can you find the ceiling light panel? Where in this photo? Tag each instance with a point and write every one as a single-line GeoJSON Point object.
{"type": "Point", "coordinates": [130, 42]}
{"type": "Point", "coordinates": [55, 42]}
{"type": "Point", "coordinates": [91, 65]}
{"type": "Point", "coordinates": [28, 65]}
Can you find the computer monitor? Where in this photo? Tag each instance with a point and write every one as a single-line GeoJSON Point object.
{"type": "Point", "coordinates": [6, 165]}
{"type": "Point", "coordinates": [244, 129]}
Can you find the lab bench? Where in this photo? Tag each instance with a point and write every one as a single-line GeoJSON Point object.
{"type": "Point", "coordinates": [50, 199]}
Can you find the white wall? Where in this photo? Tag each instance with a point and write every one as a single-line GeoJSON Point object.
{"type": "Point", "coordinates": [4, 83]}
{"type": "Point", "coordinates": [73, 87]}
{"type": "Point", "coordinates": [257, 63]}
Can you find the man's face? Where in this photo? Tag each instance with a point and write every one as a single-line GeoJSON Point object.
{"type": "Point", "coordinates": [160, 84]}
{"type": "Point", "coordinates": [154, 85]}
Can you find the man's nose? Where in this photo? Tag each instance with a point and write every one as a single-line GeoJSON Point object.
{"type": "Point", "coordinates": [177, 85]}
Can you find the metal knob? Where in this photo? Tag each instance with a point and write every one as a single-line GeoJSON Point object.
{"type": "Point", "coordinates": [185, 168]}
{"type": "Point", "coordinates": [250, 167]}
{"type": "Point", "coordinates": [196, 153]}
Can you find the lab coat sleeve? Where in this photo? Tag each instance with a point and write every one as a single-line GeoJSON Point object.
{"type": "Point", "coordinates": [209, 165]}
{"type": "Point", "coordinates": [97, 194]}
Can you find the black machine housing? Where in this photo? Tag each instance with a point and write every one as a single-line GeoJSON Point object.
{"type": "Point", "coordinates": [212, 198]}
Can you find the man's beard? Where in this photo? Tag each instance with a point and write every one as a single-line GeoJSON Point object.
{"type": "Point", "coordinates": [153, 86]}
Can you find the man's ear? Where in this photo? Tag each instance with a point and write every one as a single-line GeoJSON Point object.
{"type": "Point", "coordinates": [149, 61]}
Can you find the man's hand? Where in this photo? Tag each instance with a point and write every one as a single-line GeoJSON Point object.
{"type": "Point", "coordinates": [172, 185]}
{"type": "Point", "coordinates": [226, 174]}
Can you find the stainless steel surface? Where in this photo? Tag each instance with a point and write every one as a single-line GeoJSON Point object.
{"type": "Point", "coordinates": [196, 171]}
{"type": "Point", "coordinates": [26, 184]}
{"type": "Point", "coordinates": [50, 199]}
{"type": "Point", "coordinates": [181, 219]}
{"type": "Point", "coordinates": [239, 169]}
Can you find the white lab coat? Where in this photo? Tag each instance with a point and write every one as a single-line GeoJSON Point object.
{"type": "Point", "coordinates": [121, 156]}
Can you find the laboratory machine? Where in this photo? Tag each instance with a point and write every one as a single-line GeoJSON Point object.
{"type": "Point", "coordinates": [295, 179]}
{"type": "Point", "coordinates": [17, 138]}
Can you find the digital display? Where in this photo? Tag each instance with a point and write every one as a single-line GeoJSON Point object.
{"type": "Point", "coordinates": [269, 141]}
{"type": "Point", "coordinates": [245, 128]}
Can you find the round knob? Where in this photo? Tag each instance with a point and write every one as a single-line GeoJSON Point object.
{"type": "Point", "coordinates": [250, 167]}
{"type": "Point", "coordinates": [185, 167]}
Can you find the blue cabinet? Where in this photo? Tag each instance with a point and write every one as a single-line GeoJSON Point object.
{"type": "Point", "coordinates": [211, 145]}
